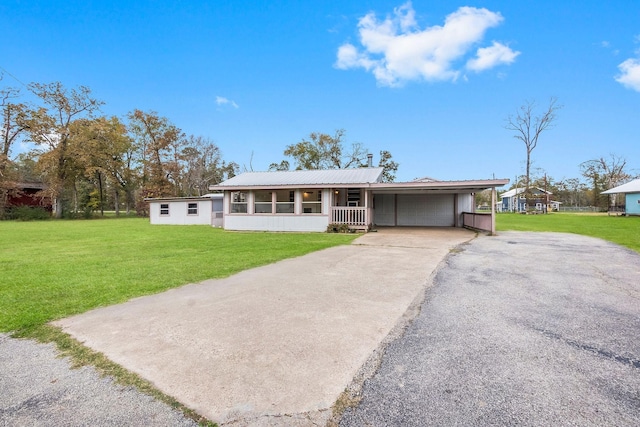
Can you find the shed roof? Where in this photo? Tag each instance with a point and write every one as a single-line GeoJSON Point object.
{"type": "Point", "coordinates": [303, 178]}
{"type": "Point", "coordinates": [629, 187]}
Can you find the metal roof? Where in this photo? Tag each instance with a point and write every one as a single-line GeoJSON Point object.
{"type": "Point", "coordinates": [209, 196]}
{"type": "Point", "coordinates": [303, 178]}
{"type": "Point", "coordinates": [438, 186]}
{"type": "Point", "coordinates": [520, 190]}
{"type": "Point", "coordinates": [629, 187]}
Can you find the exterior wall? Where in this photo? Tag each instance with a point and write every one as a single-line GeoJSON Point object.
{"type": "Point", "coordinates": [632, 201]}
{"type": "Point", "coordinates": [298, 221]}
{"type": "Point", "coordinates": [178, 212]}
{"type": "Point", "coordinates": [465, 203]}
{"type": "Point", "coordinates": [275, 222]}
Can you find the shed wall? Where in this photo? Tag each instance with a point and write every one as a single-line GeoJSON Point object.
{"type": "Point", "coordinates": [178, 213]}
{"type": "Point", "coordinates": [632, 201]}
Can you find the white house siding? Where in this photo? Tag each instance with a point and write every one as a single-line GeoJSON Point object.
{"type": "Point", "coordinates": [266, 222]}
{"type": "Point", "coordinates": [178, 212]}
{"type": "Point", "coordinates": [425, 210]}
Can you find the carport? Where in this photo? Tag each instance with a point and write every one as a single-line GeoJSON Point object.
{"type": "Point", "coordinates": [431, 203]}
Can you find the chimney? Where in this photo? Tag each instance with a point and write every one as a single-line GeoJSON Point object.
{"type": "Point", "coordinates": [369, 160]}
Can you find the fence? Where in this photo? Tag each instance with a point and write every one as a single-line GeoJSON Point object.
{"type": "Point", "coordinates": [480, 221]}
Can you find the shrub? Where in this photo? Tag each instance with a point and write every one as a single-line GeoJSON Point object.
{"type": "Point", "coordinates": [338, 228]}
{"type": "Point", "coordinates": [27, 213]}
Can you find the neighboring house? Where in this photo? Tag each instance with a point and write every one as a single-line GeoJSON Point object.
{"type": "Point", "coordinates": [203, 210]}
{"type": "Point", "coordinates": [631, 191]}
{"type": "Point", "coordinates": [514, 200]}
{"type": "Point", "coordinates": [311, 200]}
{"type": "Point", "coordinates": [29, 194]}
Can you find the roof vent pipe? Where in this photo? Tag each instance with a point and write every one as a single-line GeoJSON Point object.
{"type": "Point", "coordinates": [370, 160]}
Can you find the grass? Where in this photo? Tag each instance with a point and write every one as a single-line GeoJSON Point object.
{"type": "Point", "coordinates": [622, 230]}
{"type": "Point", "coordinates": [54, 269]}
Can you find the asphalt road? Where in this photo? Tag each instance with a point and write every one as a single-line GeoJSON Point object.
{"type": "Point", "coordinates": [528, 329]}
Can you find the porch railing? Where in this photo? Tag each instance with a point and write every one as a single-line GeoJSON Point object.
{"type": "Point", "coordinates": [480, 221]}
{"type": "Point", "coordinates": [352, 216]}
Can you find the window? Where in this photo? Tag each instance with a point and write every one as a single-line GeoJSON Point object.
{"type": "Point", "coordinates": [263, 202]}
{"type": "Point", "coordinates": [312, 201]}
{"type": "Point", "coordinates": [164, 208]}
{"type": "Point", "coordinates": [284, 201]}
{"type": "Point", "coordinates": [238, 202]}
{"type": "Point", "coordinates": [192, 209]}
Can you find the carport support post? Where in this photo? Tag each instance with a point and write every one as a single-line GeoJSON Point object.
{"type": "Point", "coordinates": [493, 211]}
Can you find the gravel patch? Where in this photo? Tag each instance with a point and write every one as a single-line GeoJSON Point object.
{"type": "Point", "coordinates": [39, 389]}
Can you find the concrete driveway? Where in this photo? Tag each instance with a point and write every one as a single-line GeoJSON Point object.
{"type": "Point", "coordinates": [527, 329]}
{"type": "Point", "coordinates": [275, 345]}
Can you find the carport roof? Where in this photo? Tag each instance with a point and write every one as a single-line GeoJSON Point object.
{"type": "Point", "coordinates": [470, 186]}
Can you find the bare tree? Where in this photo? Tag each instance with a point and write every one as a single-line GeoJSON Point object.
{"type": "Point", "coordinates": [528, 127]}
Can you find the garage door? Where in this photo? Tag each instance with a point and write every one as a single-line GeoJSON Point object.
{"type": "Point", "coordinates": [426, 210]}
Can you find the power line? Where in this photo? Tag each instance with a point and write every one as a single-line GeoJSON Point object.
{"type": "Point", "coordinates": [14, 77]}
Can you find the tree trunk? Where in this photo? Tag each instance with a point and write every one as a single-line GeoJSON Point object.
{"type": "Point", "coordinates": [57, 207]}
{"type": "Point", "coordinates": [101, 198]}
{"type": "Point", "coordinates": [116, 200]}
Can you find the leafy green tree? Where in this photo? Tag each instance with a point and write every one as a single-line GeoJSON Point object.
{"type": "Point", "coordinates": [105, 149]}
{"type": "Point", "coordinates": [50, 127]}
{"type": "Point", "coordinates": [14, 124]}
{"type": "Point", "coordinates": [324, 151]}
{"type": "Point", "coordinates": [203, 166]}
{"type": "Point", "coordinates": [159, 144]}
{"type": "Point", "coordinates": [604, 174]}
{"type": "Point", "coordinates": [389, 166]}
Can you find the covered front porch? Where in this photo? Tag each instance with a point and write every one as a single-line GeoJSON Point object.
{"type": "Point", "coordinates": [353, 207]}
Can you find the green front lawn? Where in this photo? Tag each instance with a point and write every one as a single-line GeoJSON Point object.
{"type": "Point", "coordinates": [53, 269]}
{"type": "Point", "coordinates": [618, 229]}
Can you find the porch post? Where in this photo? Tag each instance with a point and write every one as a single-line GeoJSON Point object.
{"type": "Point", "coordinates": [493, 211]}
{"type": "Point", "coordinates": [366, 206]}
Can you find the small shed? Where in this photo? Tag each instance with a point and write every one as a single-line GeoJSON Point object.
{"type": "Point", "coordinates": [201, 210]}
{"type": "Point", "coordinates": [29, 194]}
{"type": "Point", "coordinates": [631, 191]}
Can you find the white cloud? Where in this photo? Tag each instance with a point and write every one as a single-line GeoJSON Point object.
{"type": "Point", "coordinates": [221, 101]}
{"type": "Point", "coordinates": [630, 74]}
{"type": "Point", "coordinates": [489, 57]}
{"type": "Point", "coordinates": [396, 50]}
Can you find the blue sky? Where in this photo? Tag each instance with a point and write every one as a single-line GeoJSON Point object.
{"type": "Point", "coordinates": [432, 82]}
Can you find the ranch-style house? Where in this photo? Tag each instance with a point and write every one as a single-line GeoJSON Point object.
{"type": "Point", "coordinates": [311, 200]}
